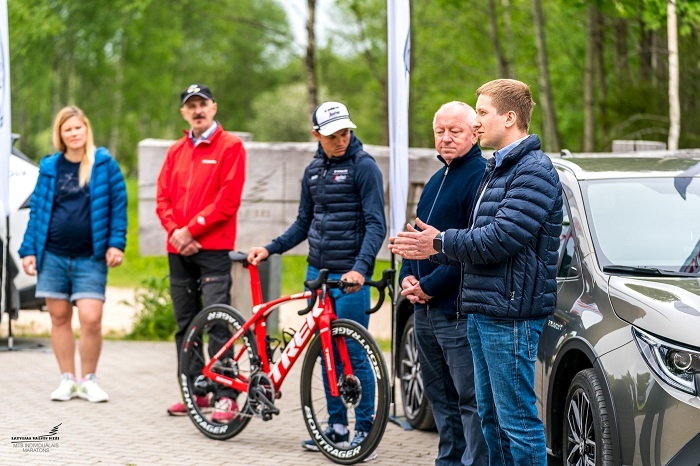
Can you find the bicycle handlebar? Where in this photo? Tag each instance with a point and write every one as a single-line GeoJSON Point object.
{"type": "Point", "coordinates": [387, 281]}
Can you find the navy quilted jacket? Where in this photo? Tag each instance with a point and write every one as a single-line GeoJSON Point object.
{"type": "Point", "coordinates": [341, 212]}
{"type": "Point", "coordinates": [107, 207]}
{"type": "Point", "coordinates": [509, 256]}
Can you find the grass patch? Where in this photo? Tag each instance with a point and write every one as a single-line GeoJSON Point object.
{"type": "Point", "coordinates": [294, 272]}
{"type": "Point", "coordinates": [136, 269]}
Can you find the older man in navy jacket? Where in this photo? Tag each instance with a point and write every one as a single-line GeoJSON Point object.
{"type": "Point", "coordinates": [440, 328]}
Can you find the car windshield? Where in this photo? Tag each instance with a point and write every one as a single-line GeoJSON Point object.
{"type": "Point", "coordinates": [645, 222]}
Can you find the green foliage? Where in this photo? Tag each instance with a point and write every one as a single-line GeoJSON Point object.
{"type": "Point", "coordinates": [125, 62]}
{"type": "Point", "coordinates": [155, 319]}
{"type": "Point", "coordinates": [282, 115]}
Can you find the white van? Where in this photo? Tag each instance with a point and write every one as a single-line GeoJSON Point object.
{"type": "Point", "coordinates": [23, 175]}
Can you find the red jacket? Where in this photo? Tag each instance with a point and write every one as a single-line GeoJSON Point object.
{"type": "Point", "coordinates": [200, 188]}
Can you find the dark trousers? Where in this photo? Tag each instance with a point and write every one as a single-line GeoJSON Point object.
{"type": "Point", "coordinates": [448, 377]}
{"type": "Point", "coordinates": [196, 282]}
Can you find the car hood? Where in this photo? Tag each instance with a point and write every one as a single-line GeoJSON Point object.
{"type": "Point", "coordinates": [667, 307]}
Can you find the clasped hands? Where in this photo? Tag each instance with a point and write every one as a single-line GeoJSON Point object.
{"type": "Point", "coordinates": [184, 242]}
{"type": "Point", "coordinates": [415, 243]}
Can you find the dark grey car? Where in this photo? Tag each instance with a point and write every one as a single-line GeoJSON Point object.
{"type": "Point", "coordinates": [618, 373]}
{"type": "Point", "coordinates": [618, 370]}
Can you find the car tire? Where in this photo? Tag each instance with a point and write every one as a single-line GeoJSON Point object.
{"type": "Point", "coordinates": [587, 435]}
{"type": "Point", "coordinates": [416, 406]}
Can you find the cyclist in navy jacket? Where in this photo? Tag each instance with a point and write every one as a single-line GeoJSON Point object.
{"type": "Point", "coordinates": [341, 213]}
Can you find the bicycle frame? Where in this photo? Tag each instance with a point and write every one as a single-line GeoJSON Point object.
{"type": "Point", "coordinates": [320, 318]}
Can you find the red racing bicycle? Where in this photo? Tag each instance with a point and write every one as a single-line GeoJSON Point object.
{"type": "Point", "coordinates": [255, 364]}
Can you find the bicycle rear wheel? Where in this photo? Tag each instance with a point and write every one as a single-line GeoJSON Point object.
{"type": "Point", "coordinates": [209, 329]}
{"type": "Point", "coordinates": [364, 398]}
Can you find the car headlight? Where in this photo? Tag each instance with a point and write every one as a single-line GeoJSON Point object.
{"type": "Point", "coordinates": [676, 365]}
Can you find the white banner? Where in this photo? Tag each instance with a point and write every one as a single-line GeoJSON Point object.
{"type": "Point", "coordinates": [5, 116]}
{"type": "Point", "coordinates": [399, 53]}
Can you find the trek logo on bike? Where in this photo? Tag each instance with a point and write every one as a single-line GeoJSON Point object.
{"type": "Point", "coordinates": [296, 344]}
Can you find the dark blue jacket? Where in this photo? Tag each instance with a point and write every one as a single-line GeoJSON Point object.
{"type": "Point", "coordinates": [107, 207]}
{"type": "Point", "coordinates": [341, 212]}
{"type": "Point", "coordinates": [509, 256]}
{"type": "Point", "coordinates": [446, 202]}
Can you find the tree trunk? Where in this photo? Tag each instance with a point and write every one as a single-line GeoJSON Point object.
{"type": "Point", "coordinates": [549, 120]}
{"type": "Point", "coordinates": [503, 66]}
{"type": "Point", "coordinates": [118, 107]}
{"type": "Point", "coordinates": [621, 49]}
{"type": "Point", "coordinates": [310, 62]}
{"type": "Point", "coordinates": [674, 103]}
{"type": "Point", "coordinates": [645, 53]}
{"type": "Point", "coordinates": [599, 32]}
{"type": "Point", "coordinates": [588, 83]}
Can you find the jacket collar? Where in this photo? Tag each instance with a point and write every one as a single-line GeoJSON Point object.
{"type": "Point", "coordinates": [529, 144]}
{"type": "Point", "coordinates": [474, 152]}
{"type": "Point", "coordinates": [354, 147]}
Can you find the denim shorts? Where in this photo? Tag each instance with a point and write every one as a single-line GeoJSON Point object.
{"type": "Point", "coordinates": [71, 278]}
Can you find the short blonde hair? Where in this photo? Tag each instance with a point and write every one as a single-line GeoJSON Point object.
{"type": "Point", "coordinates": [89, 155]}
{"type": "Point", "coordinates": [510, 95]}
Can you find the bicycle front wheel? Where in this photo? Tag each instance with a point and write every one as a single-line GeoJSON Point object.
{"type": "Point", "coordinates": [363, 403]}
{"type": "Point", "coordinates": [219, 412]}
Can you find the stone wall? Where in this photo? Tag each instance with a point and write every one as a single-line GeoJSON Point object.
{"type": "Point", "coordinates": [271, 191]}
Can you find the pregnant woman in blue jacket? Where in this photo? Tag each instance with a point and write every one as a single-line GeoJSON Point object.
{"type": "Point", "coordinates": [77, 229]}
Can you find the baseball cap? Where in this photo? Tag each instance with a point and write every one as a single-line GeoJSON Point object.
{"type": "Point", "coordinates": [196, 89]}
{"type": "Point", "coordinates": [330, 117]}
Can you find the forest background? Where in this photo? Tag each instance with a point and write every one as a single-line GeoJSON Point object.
{"type": "Point", "coordinates": [599, 70]}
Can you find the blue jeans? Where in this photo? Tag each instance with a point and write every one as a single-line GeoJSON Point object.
{"type": "Point", "coordinates": [448, 378]}
{"type": "Point", "coordinates": [504, 354]}
{"type": "Point", "coordinates": [71, 278]}
{"type": "Point", "coordinates": [351, 306]}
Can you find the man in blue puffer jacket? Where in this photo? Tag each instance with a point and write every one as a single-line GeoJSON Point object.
{"type": "Point", "coordinates": [341, 212]}
{"type": "Point", "coordinates": [508, 258]}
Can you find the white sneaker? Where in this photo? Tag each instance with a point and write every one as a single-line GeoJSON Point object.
{"type": "Point", "coordinates": [67, 389]}
{"type": "Point", "coordinates": [89, 390]}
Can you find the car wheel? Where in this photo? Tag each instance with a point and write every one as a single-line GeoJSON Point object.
{"type": "Point", "coordinates": [416, 407]}
{"type": "Point", "coordinates": [587, 437]}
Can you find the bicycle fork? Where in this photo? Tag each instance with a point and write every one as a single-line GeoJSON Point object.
{"type": "Point", "coordinates": [327, 350]}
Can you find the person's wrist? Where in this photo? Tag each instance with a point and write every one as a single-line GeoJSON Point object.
{"type": "Point", "coordinates": [437, 242]}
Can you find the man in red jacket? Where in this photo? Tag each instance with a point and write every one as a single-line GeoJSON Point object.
{"type": "Point", "coordinates": [199, 192]}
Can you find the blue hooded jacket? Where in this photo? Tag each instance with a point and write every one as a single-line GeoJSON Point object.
{"type": "Point", "coordinates": [341, 212]}
{"type": "Point", "coordinates": [108, 202]}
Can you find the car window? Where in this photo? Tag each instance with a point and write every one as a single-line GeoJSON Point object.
{"type": "Point", "coordinates": [645, 222]}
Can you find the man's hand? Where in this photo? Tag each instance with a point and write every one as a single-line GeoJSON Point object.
{"type": "Point", "coordinates": [415, 244]}
{"type": "Point", "coordinates": [191, 249]}
{"type": "Point", "coordinates": [180, 238]}
{"type": "Point", "coordinates": [410, 287]}
{"type": "Point", "coordinates": [257, 254]}
{"type": "Point", "coordinates": [353, 277]}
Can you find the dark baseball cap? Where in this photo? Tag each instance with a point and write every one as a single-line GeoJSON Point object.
{"type": "Point", "coordinates": [196, 89]}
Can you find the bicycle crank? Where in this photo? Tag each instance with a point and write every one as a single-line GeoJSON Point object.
{"type": "Point", "coordinates": [261, 397]}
